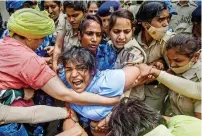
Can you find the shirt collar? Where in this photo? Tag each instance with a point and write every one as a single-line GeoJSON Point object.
{"type": "Point", "coordinates": [187, 4]}
{"type": "Point", "coordinates": [139, 40]}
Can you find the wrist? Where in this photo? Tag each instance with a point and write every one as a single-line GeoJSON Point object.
{"type": "Point", "coordinates": [155, 72]}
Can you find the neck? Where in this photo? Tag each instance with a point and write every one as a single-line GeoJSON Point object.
{"type": "Point", "coordinates": [146, 38]}
{"type": "Point", "coordinates": [16, 37]}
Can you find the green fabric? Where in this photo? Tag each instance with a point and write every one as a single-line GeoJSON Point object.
{"type": "Point", "coordinates": [185, 125]}
{"type": "Point", "coordinates": [160, 130]}
{"type": "Point", "coordinates": [30, 23]}
{"type": "Point", "coordinates": [7, 97]}
{"type": "Point", "coordinates": [179, 125]}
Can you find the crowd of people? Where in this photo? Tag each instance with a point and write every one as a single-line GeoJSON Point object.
{"type": "Point", "coordinates": [101, 68]}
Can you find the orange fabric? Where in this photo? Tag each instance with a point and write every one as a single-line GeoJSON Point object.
{"type": "Point", "coordinates": [20, 67]}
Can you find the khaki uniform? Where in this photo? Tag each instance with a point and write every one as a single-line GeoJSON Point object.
{"type": "Point", "coordinates": [184, 14]}
{"type": "Point", "coordinates": [131, 54]}
{"type": "Point", "coordinates": [179, 104]}
{"type": "Point", "coordinates": [153, 94]}
{"type": "Point", "coordinates": [64, 28]}
{"type": "Point", "coordinates": [184, 27]}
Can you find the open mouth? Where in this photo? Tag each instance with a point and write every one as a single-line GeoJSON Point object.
{"type": "Point", "coordinates": [77, 83]}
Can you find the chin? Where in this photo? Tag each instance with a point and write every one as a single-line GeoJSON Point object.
{"type": "Point", "coordinates": [78, 90]}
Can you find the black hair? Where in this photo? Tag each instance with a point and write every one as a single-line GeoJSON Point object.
{"type": "Point", "coordinates": [185, 44]}
{"type": "Point", "coordinates": [122, 13]}
{"type": "Point", "coordinates": [85, 22]}
{"type": "Point", "coordinates": [58, 2]}
{"type": "Point", "coordinates": [132, 117]}
{"type": "Point", "coordinates": [79, 54]}
{"type": "Point", "coordinates": [147, 11]}
{"type": "Point", "coordinates": [98, 3]}
{"type": "Point", "coordinates": [76, 5]}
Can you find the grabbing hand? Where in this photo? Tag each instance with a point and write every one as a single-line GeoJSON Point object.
{"type": "Point", "coordinates": [49, 50]}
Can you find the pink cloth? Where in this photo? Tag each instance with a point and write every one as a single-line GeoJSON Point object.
{"type": "Point", "coordinates": [22, 103]}
{"type": "Point", "coordinates": [20, 67]}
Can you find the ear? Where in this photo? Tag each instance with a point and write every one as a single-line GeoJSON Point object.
{"type": "Point", "coordinates": [196, 56]}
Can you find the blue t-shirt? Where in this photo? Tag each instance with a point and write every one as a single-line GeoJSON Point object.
{"type": "Point", "coordinates": [107, 83]}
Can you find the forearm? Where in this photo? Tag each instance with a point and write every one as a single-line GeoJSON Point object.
{"type": "Point", "coordinates": [180, 85]}
{"type": "Point", "coordinates": [58, 47]}
{"type": "Point", "coordinates": [34, 114]}
{"type": "Point", "coordinates": [55, 88]}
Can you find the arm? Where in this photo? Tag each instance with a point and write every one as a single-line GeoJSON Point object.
{"type": "Point", "coordinates": [180, 85]}
{"type": "Point", "coordinates": [55, 88]}
{"type": "Point", "coordinates": [57, 50]}
{"type": "Point", "coordinates": [131, 75]}
{"type": "Point", "coordinates": [34, 114]}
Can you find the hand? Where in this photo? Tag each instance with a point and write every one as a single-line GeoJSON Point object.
{"type": "Point", "coordinates": [48, 60]}
{"type": "Point", "coordinates": [28, 94]}
{"type": "Point", "coordinates": [158, 64]}
{"type": "Point", "coordinates": [49, 50]}
{"type": "Point", "coordinates": [141, 80]}
{"type": "Point", "coordinates": [76, 130]}
{"type": "Point", "coordinates": [144, 69]}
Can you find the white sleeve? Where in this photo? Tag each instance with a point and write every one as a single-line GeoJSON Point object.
{"type": "Point", "coordinates": [180, 85]}
{"type": "Point", "coordinates": [35, 114]}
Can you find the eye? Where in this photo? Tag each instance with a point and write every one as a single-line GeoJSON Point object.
{"type": "Point", "coordinates": [75, 15]}
{"type": "Point", "coordinates": [98, 34]}
{"type": "Point", "coordinates": [68, 70]}
{"type": "Point", "coordinates": [53, 7]}
{"type": "Point", "coordinates": [89, 33]}
{"type": "Point", "coordinates": [116, 31]}
{"type": "Point", "coordinates": [127, 31]}
{"type": "Point", "coordinates": [46, 8]}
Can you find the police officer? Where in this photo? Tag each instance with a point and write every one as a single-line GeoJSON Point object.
{"type": "Point", "coordinates": [184, 8]}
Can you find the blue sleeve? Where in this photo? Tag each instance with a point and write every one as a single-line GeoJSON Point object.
{"type": "Point", "coordinates": [105, 57]}
{"type": "Point", "coordinates": [94, 113]}
{"type": "Point", "coordinates": [48, 41]}
{"type": "Point", "coordinates": [113, 84]}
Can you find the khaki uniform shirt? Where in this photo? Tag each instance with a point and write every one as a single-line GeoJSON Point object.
{"type": "Point", "coordinates": [184, 13]}
{"type": "Point", "coordinates": [131, 54]}
{"type": "Point", "coordinates": [180, 104]}
{"type": "Point", "coordinates": [64, 28]}
{"type": "Point", "coordinates": [184, 27]}
{"type": "Point", "coordinates": [156, 49]}
{"type": "Point", "coordinates": [153, 95]}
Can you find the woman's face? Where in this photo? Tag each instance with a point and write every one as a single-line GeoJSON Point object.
{"type": "Point", "coordinates": [78, 76]}
{"type": "Point", "coordinates": [92, 35]}
{"type": "Point", "coordinates": [121, 32]}
{"type": "Point", "coordinates": [92, 10]}
{"type": "Point", "coordinates": [52, 8]}
{"type": "Point", "coordinates": [162, 20]}
{"type": "Point", "coordinates": [177, 60]}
